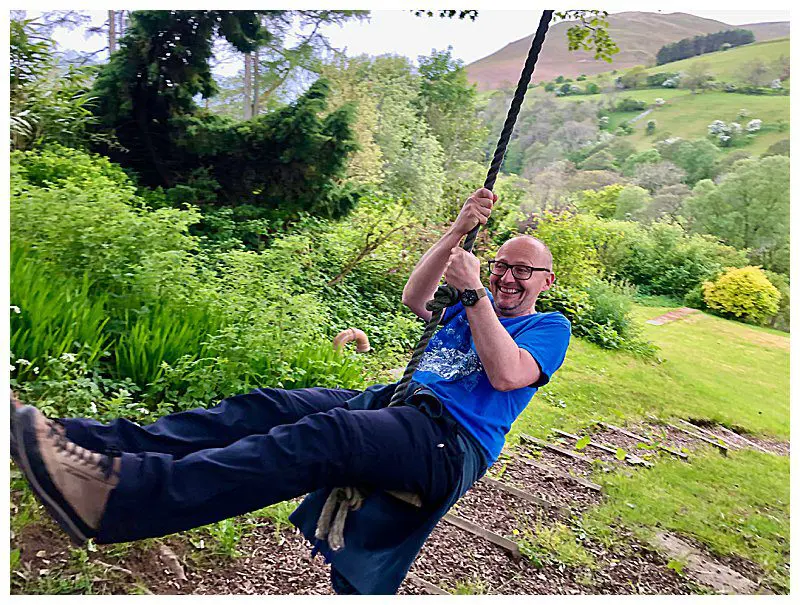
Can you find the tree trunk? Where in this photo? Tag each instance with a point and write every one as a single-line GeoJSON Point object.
{"type": "Point", "coordinates": [248, 107]}
{"type": "Point", "coordinates": [255, 84]}
{"type": "Point", "coordinates": [112, 32]}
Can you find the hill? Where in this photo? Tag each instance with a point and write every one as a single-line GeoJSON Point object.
{"type": "Point", "coordinates": [639, 36]}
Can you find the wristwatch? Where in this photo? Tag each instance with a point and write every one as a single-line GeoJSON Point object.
{"type": "Point", "coordinates": [470, 297]}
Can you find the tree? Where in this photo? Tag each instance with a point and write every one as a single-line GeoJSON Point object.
{"type": "Point", "coordinates": [696, 77]}
{"type": "Point", "coordinates": [654, 176]}
{"type": "Point", "coordinates": [631, 201]}
{"type": "Point", "coordinates": [290, 159]}
{"type": "Point", "coordinates": [698, 158]}
{"type": "Point", "coordinates": [602, 203]}
{"type": "Point", "coordinates": [446, 97]}
{"type": "Point", "coordinates": [634, 77]}
{"type": "Point", "coordinates": [748, 209]}
{"type": "Point", "coordinates": [756, 72]}
{"type": "Point", "coordinates": [47, 102]}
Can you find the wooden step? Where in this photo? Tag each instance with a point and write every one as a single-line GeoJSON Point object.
{"type": "Point", "coordinates": [477, 530]}
{"type": "Point", "coordinates": [622, 431]}
{"type": "Point", "coordinates": [556, 449]}
{"type": "Point", "coordinates": [630, 458]}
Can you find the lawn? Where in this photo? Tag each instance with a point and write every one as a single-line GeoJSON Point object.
{"type": "Point", "coordinates": [712, 369]}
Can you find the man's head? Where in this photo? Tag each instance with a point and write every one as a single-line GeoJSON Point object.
{"type": "Point", "coordinates": [514, 296]}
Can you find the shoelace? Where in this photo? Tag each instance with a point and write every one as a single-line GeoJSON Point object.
{"type": "Point", "coordinates": [80, 454]}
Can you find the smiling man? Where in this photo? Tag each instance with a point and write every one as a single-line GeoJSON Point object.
{"type": "Point", "coordinates": [119, 482]}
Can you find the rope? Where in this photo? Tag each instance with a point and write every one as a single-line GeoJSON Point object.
{"type": "Point", "coordinates": [330, 525]}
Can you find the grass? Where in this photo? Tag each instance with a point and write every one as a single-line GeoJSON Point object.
{"type": "Point", "coordinates": [715, 369]}
{"type": "Point", "coordinates": [689, 115]}
{"type": "Point", "coordinates": [712, 369]}
{"type": "Point", "coordinates": [557, 543]}
{"type": "Point", "coordinates": [735, 505]}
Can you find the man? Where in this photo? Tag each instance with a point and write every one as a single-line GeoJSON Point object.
{"type": "Point", "coordinates": [121, 482]}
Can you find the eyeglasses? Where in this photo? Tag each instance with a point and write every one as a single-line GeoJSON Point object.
{"type": "Point", "coordinates": [521, 272]}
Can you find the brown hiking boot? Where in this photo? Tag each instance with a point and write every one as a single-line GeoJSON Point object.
{"type": "Point", "coordinates": [73, 483]}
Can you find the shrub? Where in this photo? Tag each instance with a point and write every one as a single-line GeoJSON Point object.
{"type": "Point", "coordinates": [600, 312]}
{"type": "Point", "coordinates": [628, 104]}
{"type": "Point", "coordinates": [651, 127]}
{"type": "Point", "coordinates": [744, 293]}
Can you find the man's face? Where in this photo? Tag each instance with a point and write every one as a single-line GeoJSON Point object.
{"type": "Point", "coordinates": [515, 297]}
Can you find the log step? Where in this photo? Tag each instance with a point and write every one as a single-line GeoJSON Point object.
{"type": "Point", "coordinates": [622, 431]}
{"type": "Point", "coordinates": [630, 458]}
{"type": "Point", "coordinates": [510, 489]}
{"type": "Point", "coordinates": [559, 473]}
{"type": "Point", "coordinates": [556, 449]}
{"type": "Point", "coordinates": [477, 530]}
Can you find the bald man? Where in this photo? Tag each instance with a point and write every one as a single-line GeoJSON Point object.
{"type": "Point", "coordinates": [119, 482]}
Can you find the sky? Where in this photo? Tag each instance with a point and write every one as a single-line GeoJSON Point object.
{"type": "Point", "coordinates": [400, 32]}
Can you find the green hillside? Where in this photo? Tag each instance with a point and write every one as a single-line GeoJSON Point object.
{"type": "Point", "coordinates": [726, 66]}
{"type": "Point", "coordinates": [688, 115]}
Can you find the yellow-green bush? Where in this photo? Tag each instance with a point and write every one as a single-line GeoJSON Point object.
{"type": "Point", "coordinates": [744, 294]}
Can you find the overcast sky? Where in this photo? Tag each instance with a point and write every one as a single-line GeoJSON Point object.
{"type": "Point", "coordinates": [400, 32]}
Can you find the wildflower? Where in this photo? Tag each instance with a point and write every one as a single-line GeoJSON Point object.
{"type": "Point", "coordinates": [16, 310]}
{"type": "Point", "coordinates": [68, 356]}
{"type": "Point", "coordinates": [23, 362]}
{"type": "Point", "coordinates": [93, 408]}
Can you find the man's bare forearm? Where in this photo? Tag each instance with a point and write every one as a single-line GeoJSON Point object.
{"type": "Point", "coordinates": [507, 366]}
{"type": "Point", "coordinates": [425, 277]}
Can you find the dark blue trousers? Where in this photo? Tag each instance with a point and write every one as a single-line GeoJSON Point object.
{"type": "Point", "coordinates": [201, 466]}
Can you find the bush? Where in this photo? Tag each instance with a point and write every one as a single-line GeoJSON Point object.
{"type": "Point", "coordinates": [651, 127]}
{"type": "Point", "coordinates": [744, 293]}
{"type": "Point", "coordinates": [600, 313]}
{"type": "Point", "coordinates": [628, 104]}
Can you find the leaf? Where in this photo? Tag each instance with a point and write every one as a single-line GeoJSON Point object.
{"type": "Point", "coordinates": [621, 454]}
{"type": "Point", "coordinates": [582, 442]}
{"type": "Point", "coordinates": [676, 566]}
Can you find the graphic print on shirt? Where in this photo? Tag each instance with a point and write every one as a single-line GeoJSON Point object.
{"type": "Point", "coordinates": [450, 356]}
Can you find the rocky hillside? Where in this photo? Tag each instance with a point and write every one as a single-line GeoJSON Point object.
{"type": "Point", "coordinates": [639, 36]}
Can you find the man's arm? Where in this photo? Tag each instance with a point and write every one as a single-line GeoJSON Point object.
{"type": "Point", "coordinates": [425, 277]}
{"type": "Point", "coordinates": [507, 366]}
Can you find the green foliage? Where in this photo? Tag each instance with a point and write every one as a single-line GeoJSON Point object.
{"type": "Point", "coordinates": [161, 335]}
{"type": "Point", "coordinates": [446, 97]}
{"type": "Point", "coordinates": [48, 104]}
{"type": "Point", "coordinates": [289, 159]}
{"type": "Point", "coordinates": [748, 209]}
{"type": "Point", "coordinates": [781, 320]}
{"type": "Point", "coordinates": [590, 33]}
{"type": "Point", "coordinates": [698, 158]}
{"type": "Point", "coordinates": [778, 148]}
{"type": "Point", "coordinates": [600, 312]}
{"type": "Point", "coordinates": [744, 293]}
{"type": "Point", "coordinates": [544, 543]}
{"type": "Point", "coordinates": [629, 104]}
{"type": "Point", "coordinates": [651, 156]}
{"type": "Point", "coordinates": [602, 203]}
{"type": "Point", "coordinates": [51, 315]}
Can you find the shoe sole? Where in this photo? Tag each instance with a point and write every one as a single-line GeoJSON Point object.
{"type": "Point", "coordinates": [56, 511]}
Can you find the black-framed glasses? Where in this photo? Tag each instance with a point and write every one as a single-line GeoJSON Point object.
{"type": "Point", "coordinates": [521, 272]}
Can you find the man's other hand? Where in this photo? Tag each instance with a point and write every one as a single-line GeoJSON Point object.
{"type": "Point", "coordinates": [463, 270]}
{"type": "Point", "coordinates": [476, 210]}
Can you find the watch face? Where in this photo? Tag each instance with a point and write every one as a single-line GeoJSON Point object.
{"type": "Point", "coordinates": [469, 297]}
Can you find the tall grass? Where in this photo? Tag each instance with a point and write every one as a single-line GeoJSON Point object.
{"type": "Point", "coordinates": [162, 333]}
{"type": "Point", "coordinates": [52, 314]}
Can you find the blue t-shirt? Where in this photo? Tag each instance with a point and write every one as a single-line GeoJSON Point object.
{"type": "Point", "coordinates": [452, 369]}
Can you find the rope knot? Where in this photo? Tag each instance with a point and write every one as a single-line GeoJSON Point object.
{"type": "Point", "coordinates": [445, 296]}
{"type": "Point", "coordinates": [330, 525]}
